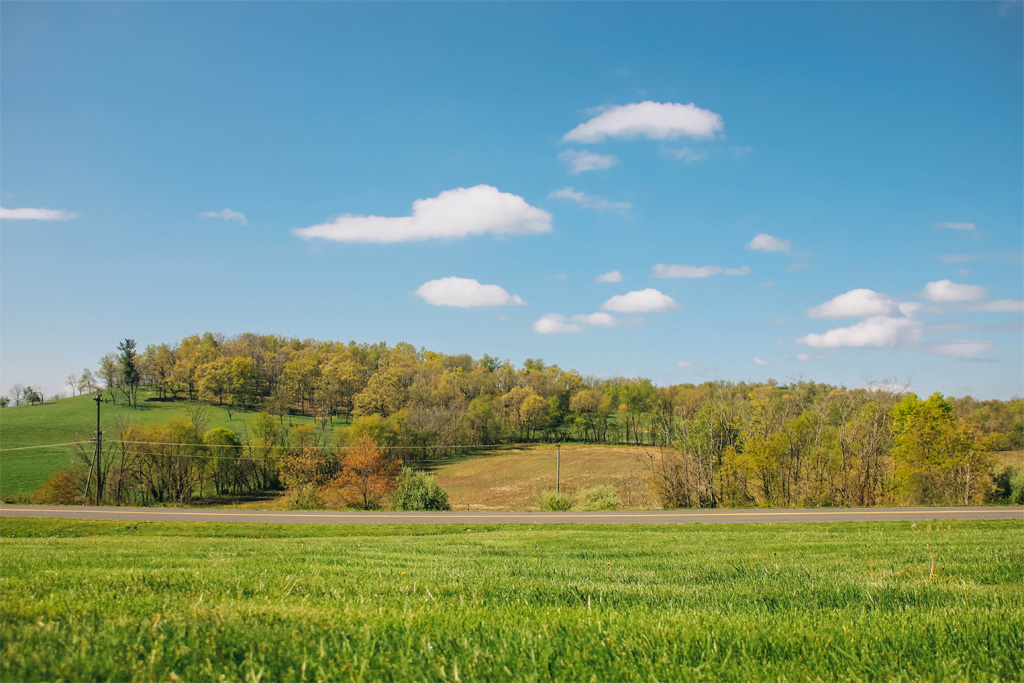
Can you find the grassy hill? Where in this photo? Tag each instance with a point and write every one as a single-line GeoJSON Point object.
{"type": "Point", "coordinates": [74, 419]}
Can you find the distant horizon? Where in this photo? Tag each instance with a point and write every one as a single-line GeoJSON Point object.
{"type": "Point", "coordinates": [686, 192]}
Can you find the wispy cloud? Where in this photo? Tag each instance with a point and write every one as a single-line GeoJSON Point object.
{"type": "Point", "coordinates": [956, 226]}
{"type": "Point", "coordinates": [766, 242]}
{"type": "Point", "coordinates": [590, 201]}
{"type": "Point", "coordinates": [684, 364]}
{"type": "Point", "coordinates": [967, 348]}
{"type": "Point", "coordinates": [225, 214]}
{"type": "Point", "coordinates": [611, 276]}
{"type": "Point", "coordinates": [662, 270]}
{"type": "Point", "coordinates": [465, 293]}
{"type": "Point", "coordinates": [453, 214]}
{"type": "Point", "coordinates": [36, 214]}
{"type": "Point", "coordinates": [999, 256]}
{"type": "Point", "coordinates": [582, 161]}
{"type": "Point", "coordinates": [687, 154]}
{"type": "Point", "coordinates": [793, 267]}
{"type": "Point", "coordinates": [642, 301]}
{"type": "Point", "coordinates": [657, 120]}
{"type": "Point", "coordinates": [762, 363]}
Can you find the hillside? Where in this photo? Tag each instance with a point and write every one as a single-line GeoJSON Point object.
{"type": "Point", "coordinates": [74, 419]}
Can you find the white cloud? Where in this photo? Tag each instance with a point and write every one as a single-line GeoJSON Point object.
{"type": "Point", "coordinates": [944, 291]}
{"type": "Point", "coordinates": [765, 242]}
{"type": "Point", "coordinates": [612, 276]}
{"type": "Point", "coordinates": [855, 304]}
{"type": "Point", "coordinates": [961, 349]}
{"type": "Point", "coordinates": [688, 154]}
{"type": "Point", "coordinates": [555, 323]}
{"type": "Point", "coordinates": [780, 321]}
{"type": "Point", "coordinates": [963, 272]}
{"type": "Point", "coordinates": [36, 214]}
{"type": "Point", "coordinates": [582, 161]}
{"type": "Point", "coordinates": [225, 214]}
{"type": "Point", "coordinates": [803, 357]}
{"type": "Point", "coordinates": [453, 214]}
{"type": "Point", "coordinates": [465, 293]}
{"type": "Point", "coordinates": [647, 300]}
{"type": "Point", "coordinates": [762, 363]}
{"type": "Point", "coordinates": [956, 226]}
{"type": "Point", "coordinates": [658, 120]}
{"type": "Point", "coordinates": [1000, 306]}
{"type": "Point", "coordinates": [590, 201]}
{"type": "Point", "coordinates": [960, 258]}
{"type": "Point", "coordinates": [793, 267]}
{"type": "Point", "coordinates": [661, 270]}
{"type": "Point", "coordinates": [684, 364]}
{"type": "Point", "coordinates": [599, 319]}
{"type": "Point", "coordinates": [874, 332]}
{"type": "Point", "coordinates": [767, 284]}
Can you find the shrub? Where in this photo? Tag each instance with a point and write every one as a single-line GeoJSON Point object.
{"type": "Point", "coordinates": [419, 491]}
{"type": "Point", "coordinates": [598, 498]}
{"type": "Point", "coordinates": [303, 498]}
{"type": "Point", "coordinates": [1009, 486]}
{"type": "Point", "coordinates": [555, 501]}
{"type": "Point", "coordinates": [61, 488]}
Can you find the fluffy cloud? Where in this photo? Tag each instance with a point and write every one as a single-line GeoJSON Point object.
{"type": "Point", "coordinates": [225, 214]}
{"type": "Point", "coordinates": [36, 214]}
{"type": "Point", "coordinates": [555, 323]}
{"type": "Point", "coordinates": [962, 349]}
{"type": "Point", "coordinates": [465, 293]}
{"type": "Point", "coordinates": [580, 162]}
{"type": "Point", "coordinates": [956, 226]}
{"type": "Point", "coordinates": [762, 363]}
{"type": "Point", "coordinates": [590, 201]}
{"type": "Point", "coordinates": [598, 319]}
{"type": "Point", "coordinates": [855, 304]}
{"type": "Point", "coordinates": [658, 120]}
{"type": "Point", "coordinates": [687, 154]}
{"type": "Point", "coordinates": [612, 276]}
{"type": "Point", "coordinates": [684, 364]}
{"type": "Point", "coordinates": [647, 300]}
{"type": "Point", "coordinates": [661, 270]}
{"type": "Point", "coordinates": [874, 332]}
{"type": "Point", "coordinates": [765, 242]}
{"type": "Point", "coordinates": [453, 214]}
{"type": "Point", "coordinates": [944, 291]}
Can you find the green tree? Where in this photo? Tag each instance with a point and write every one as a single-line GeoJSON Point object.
{"type": "Point", "coordinates": [129, 371]}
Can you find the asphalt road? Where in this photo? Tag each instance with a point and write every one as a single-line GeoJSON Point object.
{"type": "Point", "coordinates": [757, 516]}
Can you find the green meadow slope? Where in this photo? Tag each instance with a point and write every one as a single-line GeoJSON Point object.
{"type": "Point", "coordinates": [74, 419]}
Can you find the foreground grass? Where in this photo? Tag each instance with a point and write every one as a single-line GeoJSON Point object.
{"type": "Point", "coordinates": [851, 601]}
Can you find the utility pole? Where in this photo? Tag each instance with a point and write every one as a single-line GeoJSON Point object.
{"type": "Point", "coordinates": [558, 469]}
{"type": "Point", "coordinates": [99, 447]}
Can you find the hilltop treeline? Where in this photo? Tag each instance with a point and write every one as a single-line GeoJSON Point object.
{"type": "Point", "coordinates": [712, 444]}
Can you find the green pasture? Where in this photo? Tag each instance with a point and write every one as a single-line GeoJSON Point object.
{"type": "Point", "coordinates": [179, 601]}
{"type": "Point", "coordinates": [74, 419]}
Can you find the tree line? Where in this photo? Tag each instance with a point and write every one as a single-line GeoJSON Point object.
{"type": "Point", "coordinates": [709, 444]}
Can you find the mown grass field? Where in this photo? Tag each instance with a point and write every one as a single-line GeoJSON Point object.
{"type": "Point", "coordinates": [174, 601]}
{"type": "Point", "coordinates": [511, 478]}
{"type": "Point", "coordinates": [74, 419]}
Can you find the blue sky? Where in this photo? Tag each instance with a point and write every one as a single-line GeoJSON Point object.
{"type": "Point", "coordinates": [828, 191]}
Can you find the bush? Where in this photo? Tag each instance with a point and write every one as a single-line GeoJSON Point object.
{"type": "Point", "coordinates": [62, 488]}
{"type": "Point", "coordinates": [303, 498]}
{"type": "Point", "coordinates": [598, 498]}
{"type": "Point", "coordinates": [1009, 486]}
{"type": "Point", "coordinates": [554, 501]}
{"type": "Point", "coordinates": [419, 491]}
